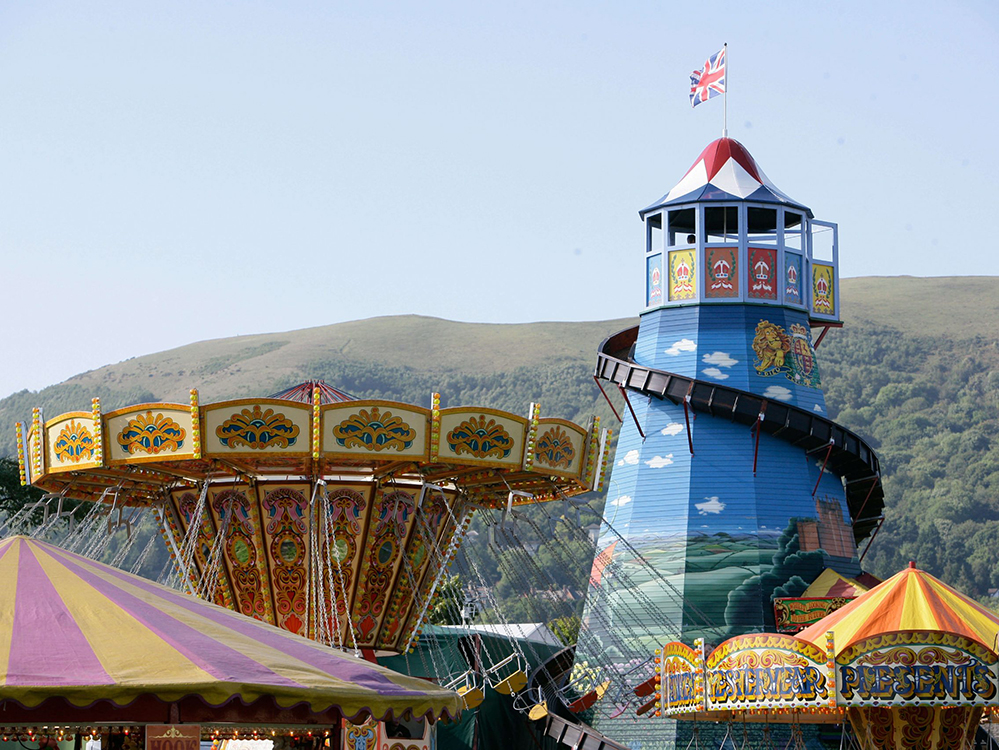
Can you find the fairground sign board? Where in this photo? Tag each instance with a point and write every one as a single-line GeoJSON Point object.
{"type": "Point", "coordinates": [767, 671]}
{"type": "Point", "coordinates": [794, 614]}
{"type": "Point", "coordinates": [173, 736]}
{"type": "Point", "coordinates": [910, 668]}
{"type": "Point", "coordinates": [682, 685]}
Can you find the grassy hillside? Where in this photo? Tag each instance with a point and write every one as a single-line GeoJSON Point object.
{"type": "Point", "coordinates": [404, 357]}
{"type": "Point", "coordinates": [916, 370]}
{"type": "Point", "coordinates": [249, 364]}
{"type": "Point", "coordinates": [951, 307]}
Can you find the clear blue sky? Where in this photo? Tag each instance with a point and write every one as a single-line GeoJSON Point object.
{"type": "Point", "coordinates": [180, 171]}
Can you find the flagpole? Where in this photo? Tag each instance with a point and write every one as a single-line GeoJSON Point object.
{"type": "Point", "coordinates": [725, 96]}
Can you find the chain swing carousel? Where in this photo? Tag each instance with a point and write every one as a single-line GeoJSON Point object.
{"type": "Point", "coordinates": [330, 517]}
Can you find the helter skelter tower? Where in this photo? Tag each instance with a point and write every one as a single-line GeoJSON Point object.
{"type": "Point", "coordinates": [729, 477]}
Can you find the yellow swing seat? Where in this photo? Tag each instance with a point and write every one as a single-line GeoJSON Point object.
{"type": "Point", "coordinates": [539, 711]}
{"type": "Point", "coordinates": [514, 683]}
{"type": "Point", "coordinates": [473, 696]}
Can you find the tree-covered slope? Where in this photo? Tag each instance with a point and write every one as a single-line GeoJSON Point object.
{"type": "Point", "coordinates": [930, 407]}
{"type": "Point", "coordinates": [915, 370]}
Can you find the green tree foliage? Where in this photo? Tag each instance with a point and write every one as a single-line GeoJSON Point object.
{"type": "Point", "coordinates": [789, 575]}
{"type": "Point", "coordinates": [446, 609]}
{"type": "Point", "coordinates": [13, 496]}
{"type": "Point", "coordinates": [541, 569]}
{"type": "Point", "coordinates": [927, 401]}
{"type": "Point", "coordinates": [930, 407]}
{"type": "Point", "coordinates": [566, 629]}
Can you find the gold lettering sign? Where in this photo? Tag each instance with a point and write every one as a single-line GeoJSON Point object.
{"type": "Point", "coordinates": [679, 688]}
{"type": "Point", "coordinates": [913, 668]}
{"type": "Point", "coordinates": [755, 671]}
{"type": "Point", "coordinates": [797, 614]}
{"type": "Point", "coordinates": [173, 736]}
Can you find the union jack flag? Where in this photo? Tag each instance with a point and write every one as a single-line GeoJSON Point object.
{"type": "Point", "coordinates": [710, 81]}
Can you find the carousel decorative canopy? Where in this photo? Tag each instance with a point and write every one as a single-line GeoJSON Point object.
{"type": "Point", "coordinates": [911, 600]}
{"type": "Point", "coordinates": [79, 639]}
{"type": "Point", "coordinates": [912, 663]}
{"type": "Point", "coordinates": [334, 517]}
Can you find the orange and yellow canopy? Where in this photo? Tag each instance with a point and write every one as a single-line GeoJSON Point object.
{"type": "Point", "coordinates": [909, 600]}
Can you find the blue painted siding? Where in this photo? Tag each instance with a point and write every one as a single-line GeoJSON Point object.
{"type": "Point", "coordinates": [725, 541]}
{"type": "Point", "coordinates": [715, 343]}
{"type": "Point", "coordinates": [705, 520]}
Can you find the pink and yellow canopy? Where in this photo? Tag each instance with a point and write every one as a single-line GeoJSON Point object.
{"type": "Point", "coordinates": [909, 600]}
{"type": "Point", "coordinates": [74, 632]}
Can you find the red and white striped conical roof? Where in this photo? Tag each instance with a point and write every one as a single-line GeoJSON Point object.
{"type": "Point", "coordinates": [725, 171]}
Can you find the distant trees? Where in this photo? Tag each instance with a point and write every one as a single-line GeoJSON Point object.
{"type": "Point", "coordinates": [447, 607]}
{"type": "Point", "coordinates": [930, 406]}
{"type": "Point", "coordinates": [13, 496]}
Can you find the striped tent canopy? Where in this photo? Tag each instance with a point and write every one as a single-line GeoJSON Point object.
{"type": "Point", "coordinates": [83, 641]}
{"type": "Point", "coordinates": [831, 583]}
{"type": "Point", "coordinates": [725, 171]}
{"type": "Point", "coordinates": [910, 600]}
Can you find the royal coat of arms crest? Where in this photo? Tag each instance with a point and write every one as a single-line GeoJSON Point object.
{"type": "Point", "coordinates": [793, 355]}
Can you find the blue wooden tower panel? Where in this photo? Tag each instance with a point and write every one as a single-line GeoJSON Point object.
{"type": "Point", "coordinates": [712, 528]}
{"type": "Point", "coordinates": [716, 343]}
{"type": "Point", "coordinates": [697, 544]}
